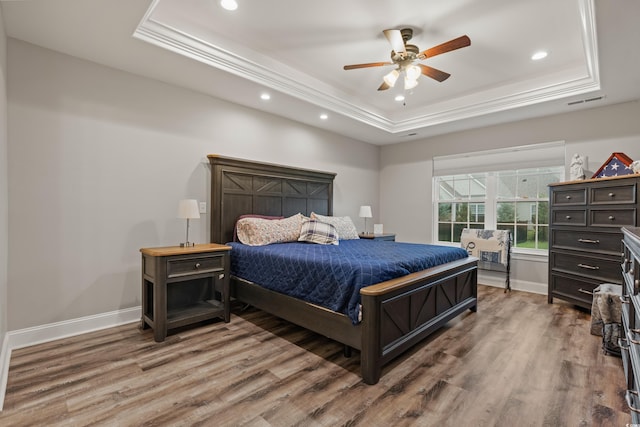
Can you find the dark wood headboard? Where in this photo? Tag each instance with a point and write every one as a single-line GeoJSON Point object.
{"type": "Point", "coordinates": [240, 187]}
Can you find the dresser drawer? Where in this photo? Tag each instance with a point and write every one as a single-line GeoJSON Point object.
{"type": "Point", "coordinates": [577, 217]}
{"type": "Point", "coordinates": [566, 197]}
{"type": "Point", "coordinates": [613, 195]}
{"type": "Point", "coordinates": [612, 217]}
{"type": "Point", "coordinates": [575, 289]}
{"type": "Point", "coordinates": [604, 270]}
{"type": "Point", "coordinates": [608, 243]}
{"type": "Point", "coordinates": [188, 266]}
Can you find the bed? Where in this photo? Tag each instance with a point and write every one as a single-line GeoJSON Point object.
{"type": "Point", "coordinates": [395, 314]}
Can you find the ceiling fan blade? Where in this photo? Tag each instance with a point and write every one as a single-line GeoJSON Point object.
{"type": "Point", "coordinates": [370, 64]}
{"type": "Point", "coordinates": [462, 41]}
{"type": "Point", "coordinates": [395, 39]}
{"type": "Point", "coordinates": [434, 73]}
{"type": "Point", "coordinates": [384, 86]}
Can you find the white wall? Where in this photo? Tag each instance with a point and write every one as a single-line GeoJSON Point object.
{"type": "Point", "coordinates": [406, 169]}
{"type": "Point", "coordinates": [4, 176]}
{"type": "Point", "coordinates": [98, 161]}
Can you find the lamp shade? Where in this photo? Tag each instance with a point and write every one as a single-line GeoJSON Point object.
{"type": "Point", "coordinates": [365, 212]}
{"type": "Point", "coordinates": [188, 209]}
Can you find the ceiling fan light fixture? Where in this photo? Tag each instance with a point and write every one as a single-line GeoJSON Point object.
{"type": "Point", "coordinates": [410, 83]}
{"type": "Point", "coordinates": [391, 78]}
{"type": "Point", "coordinates": [413, 72]}
{"type": "Point", "coordinates": [229, 4]}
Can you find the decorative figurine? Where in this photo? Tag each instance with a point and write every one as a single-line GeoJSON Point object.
{"type": "Point", "coordinates": [577, 171]}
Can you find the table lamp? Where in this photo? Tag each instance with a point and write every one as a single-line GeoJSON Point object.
{"type": "Point", "coordinates": [188, 209]}
{"type": "Point", "coordinates": [365, 212]}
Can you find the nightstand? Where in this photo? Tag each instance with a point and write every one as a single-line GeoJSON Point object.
{"type": "Point", "coordinates": [385, 236]}
{"type": "Point", "coordinates": [184, 285]}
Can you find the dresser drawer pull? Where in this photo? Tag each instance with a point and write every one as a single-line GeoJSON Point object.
{"type": "Point", "coordinates": [589, 241]}
{"type": "Point", "coordinates": [584, 291]}
{"type": "Point", "coordinates": [611, 217]}
{"type": "Point", "coordinates": [589, 267]}
{"type": "Point", "coordinates": [621, 344]}
{"type": "Point", "coordinates": [631, 340]}
{"type": "Point", "coordinates": [612, 194]}
{"type": "Point", "coordinates": [197, 265]}
{"type": "Point", "coordinates": [628, 398]}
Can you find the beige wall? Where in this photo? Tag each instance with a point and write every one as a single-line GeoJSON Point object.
{"type": "Point", "coordinates": [406, 169]}
{"type": "Point", "coordinates": [4, 196]}
{"type": "Point", "coordinates": [98, 161]}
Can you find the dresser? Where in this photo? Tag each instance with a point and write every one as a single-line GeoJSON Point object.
{"type": "Point", "coordinates": [630, 338]}
{"type": "Point", "coordinates": [585, 237]}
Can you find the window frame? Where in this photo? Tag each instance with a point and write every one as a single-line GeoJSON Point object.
{"type": "Point", "coordinates": [492, 199]}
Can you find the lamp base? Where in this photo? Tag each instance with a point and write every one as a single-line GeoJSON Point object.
{"type": "Point", "coordinates": [187, 245]}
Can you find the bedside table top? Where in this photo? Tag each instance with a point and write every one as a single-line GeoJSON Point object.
{"type": "Point", "coordinates": [375, 236]}
{"type": "Point", "coordinates": [178, 250]}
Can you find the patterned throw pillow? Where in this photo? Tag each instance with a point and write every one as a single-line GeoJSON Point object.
{"type": "Point", "coordinates": [318, 232]}
{"type": "Point", "coordinates": [235, 228]}
{"type": "Point", "coordinates": [343, 224]}
{"type": "Point", "coordinates": [260, 231]}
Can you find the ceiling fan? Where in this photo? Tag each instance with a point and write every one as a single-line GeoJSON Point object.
{"type": "Point", "coordinates": [405, 57]}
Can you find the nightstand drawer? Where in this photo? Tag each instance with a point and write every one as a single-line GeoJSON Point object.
{"type": "Point", "coordinates": [613, 195]}
{"type": "Point", "coordinates": [613, 218]}
{"type": "Point", "coordinates": [576, 217]}
{"type": "Point", "coordinates": [179, 267]}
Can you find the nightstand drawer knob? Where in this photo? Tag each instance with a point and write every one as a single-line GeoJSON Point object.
{"type": "Point", "coordinates": [197, 266]}
{"type": "Point", "coordinates": [611, 194]}
{"type": "Point", "coordinates": [568, 217]}
{"type": "Point", "coordinates": [568, 197]}
{"type": "Point", "coordinates": [611, 217]}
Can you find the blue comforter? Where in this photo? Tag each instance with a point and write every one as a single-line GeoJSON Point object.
{"type": "Point", "coordinates": [332, 275]}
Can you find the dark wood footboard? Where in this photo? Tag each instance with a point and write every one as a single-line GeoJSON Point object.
{"type": "Point", "coordinates": [399, 313]}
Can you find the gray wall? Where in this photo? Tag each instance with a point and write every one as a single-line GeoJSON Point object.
{"type": "Point", "coordinates": [4, 176]}
{"type": "Point", "coordinates": [406, 169]}
{"type": "Point", "coordinates": [99, 159]}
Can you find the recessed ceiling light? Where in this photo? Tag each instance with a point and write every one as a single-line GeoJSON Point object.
{"type": "Point", "coordinates": [324, 116]}
{"type": "Point", "coordinates": [229, 4]}
{"type": "Point", "coordinates": [265, 96]}
{"type": "Point", "coordinates": [399, 98]}
{"type": "Point", "coordinates": [539, 55]}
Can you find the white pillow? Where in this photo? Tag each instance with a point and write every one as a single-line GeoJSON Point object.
{"type": "Point", "coordinates": [314, 231]}
{"type": "Point", "coordinates": [343, 224]}
{"type": "Point", "coordinates": [260, 231]}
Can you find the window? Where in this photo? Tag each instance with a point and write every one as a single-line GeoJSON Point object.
{"type": "Point", "coordinates": [515, 199]}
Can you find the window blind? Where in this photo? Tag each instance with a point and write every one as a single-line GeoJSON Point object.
{"type": "Point", "coordinates": [512, 158]}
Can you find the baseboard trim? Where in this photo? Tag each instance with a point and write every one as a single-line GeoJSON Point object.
{"type": "Point", "coordinates": [516, 285]}
{"type": "Point", "coordinates": [54, 331]}
{"type": "Point", "coordinates": [5, 357]}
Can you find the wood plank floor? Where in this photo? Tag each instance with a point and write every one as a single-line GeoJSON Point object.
{"type": "Point", "coordinates": [518, 361]}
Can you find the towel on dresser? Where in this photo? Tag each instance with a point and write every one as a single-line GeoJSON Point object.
{"type": "Point", "coordinates": [606, 316]}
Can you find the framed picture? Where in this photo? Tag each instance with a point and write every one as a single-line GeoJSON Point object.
{"type": "Point", "coordinates": [616, 165]}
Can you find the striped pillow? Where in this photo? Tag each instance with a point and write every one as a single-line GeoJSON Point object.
{"type": "Point", "coordinates": [313, 231]}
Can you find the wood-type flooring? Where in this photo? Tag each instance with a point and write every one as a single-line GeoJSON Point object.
{"type": "Point", "coordinates": [518, 361]}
